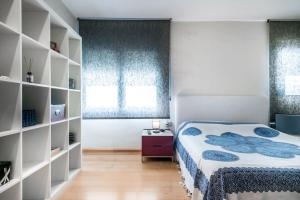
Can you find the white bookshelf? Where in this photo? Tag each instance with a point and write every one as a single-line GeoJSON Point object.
{"type": "Point", "coordinates": [26, 29]}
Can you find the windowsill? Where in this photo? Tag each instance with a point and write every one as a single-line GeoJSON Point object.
{"type": "Point", "coordinates": [104, 118]}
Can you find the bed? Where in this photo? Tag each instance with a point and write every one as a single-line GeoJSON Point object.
{"type": "Point", "coordinates": [241, 159]}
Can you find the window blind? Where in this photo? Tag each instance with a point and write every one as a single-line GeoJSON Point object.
{"type": "Point", "coordinates": [284, 67]}
{"type": "Point", "coordinates": [125, 68]}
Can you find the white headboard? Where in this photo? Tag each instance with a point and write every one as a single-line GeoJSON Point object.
{"type": "Point", "coordinates": [221, 108]}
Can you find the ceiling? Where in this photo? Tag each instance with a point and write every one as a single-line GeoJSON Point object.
{"type": "Point", "coordinates": [187, 10]}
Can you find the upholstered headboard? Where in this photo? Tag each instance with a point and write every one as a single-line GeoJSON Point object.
{"type": "Point", "coordinates": [252, 109]}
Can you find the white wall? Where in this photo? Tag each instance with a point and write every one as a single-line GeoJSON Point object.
{"type": "Point", "coordinates": [209, 58]}
{"type": "Point", "coordinates": [116, 133]}
{"type": "Point", "coordinates": [219, 58]}
{"type": "Point", "coordinates": [59, 7]}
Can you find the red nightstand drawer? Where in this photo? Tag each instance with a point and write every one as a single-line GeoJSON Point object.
{"type": "Point", "coordinates": [157, 150]}
{"type": "Point", "coordinates": [157, 146]}
{"type": "Point", "coordinates": [156, 140]}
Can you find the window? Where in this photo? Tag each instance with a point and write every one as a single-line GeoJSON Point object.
{"type": "Point", "coordinates": [125, 68]}
{"type": "Point", "coordinates": [284, 68]}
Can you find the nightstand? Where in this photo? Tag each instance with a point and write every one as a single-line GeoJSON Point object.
{"type": "Point", "coordinates": [157, 144]}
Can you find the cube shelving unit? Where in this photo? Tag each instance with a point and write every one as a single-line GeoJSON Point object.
{"type": "Point", "coordinates": [26, 29]}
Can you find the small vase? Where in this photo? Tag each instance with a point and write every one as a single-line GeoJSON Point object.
{"type": "Point", "coordinates": [29, 77]}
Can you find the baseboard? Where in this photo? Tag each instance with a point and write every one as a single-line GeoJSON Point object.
{"type": "Point", "coordinates": [108, 149]}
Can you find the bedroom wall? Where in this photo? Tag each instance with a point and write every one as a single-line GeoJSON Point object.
{"type": "Point", "coordinates": [208, 58]}
{"type": "Point", "coordinates": [219, 58]}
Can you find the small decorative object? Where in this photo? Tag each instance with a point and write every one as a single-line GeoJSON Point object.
{"type": "Point", "coordinates": [155, 124]}
{"type": "Point", "coordinates": [72, 83]}
{"type": "Point", "coordinates": [156, 131]}
{"type": "Point", "coordinates": [55, 151]}
{"type": "Point", "coordinates": [54, 47]}
{"type": "Point", "coordinates": [57, 112]}
{"type": "Point", "coordinates": [4, 77]}
{"type": "Point", "coordinates": [29, 75]}
{"type": "Point", "coordinates": [29, 118]}
{"type": "Point", "coordinates": [71, 138]}
{"type": "Point", "coordinates": [5, 171]}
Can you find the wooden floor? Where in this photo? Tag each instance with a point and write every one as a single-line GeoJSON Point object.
{"type": "Point", "coordinates": [122, 176]}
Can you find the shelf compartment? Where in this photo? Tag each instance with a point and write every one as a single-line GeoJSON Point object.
{"type": "Point", "coordinates": [38, 99]}
{"type": "Point", "coordinates": [74, 73]}
{"type": "Point", "coordinates": [75, 158]}
{"type": "Point", "coordinates": [59, 136]}
{"type": "Point", "coordinates": [61, 153]}
{"type": "Point", "coordinates": [59, 97]}
{"type": "Point", "coordinates": [74, 50]}
{"type": "Point", "coordinates": [74, 145]}
{"type": "Point", "coordinates": [56, 186]}
{"type": "Point", "coordinates": [10, 56]}
{"type": "Point", "coordinates": [40, 61]}
{"type": "Point", "coordinates": [30, 168]}
{"type": "Point", "coordinates": [57, 55]}
{"type": "Point", "coordinates": [35, 22]}
{"type": "Point", "coordinates": [73, 173]}
{"type": "Point", "coordinates": [10, 106]}
{"type": "Point", "coordinates": [59, 35]}
{"type": "Point", "coordinates": [59, 72]}
{"type": "Point", "coordinates": [59, 174]}
{"type": "Point", "coordinates": [9, 185]}
{"type": "Point", "coordinates": [10, 13]}
{"type": "Point", "coordinates": [10, 150]}
{"type": "Point", "coordinates": [12, 193]}
{"type": "Point", "coordinates": [75, 106]}
{"type": "Point", "coordinates": [75, 127]}
{"type": "Point", "coordinates": [37, 185]}
{"type": "Point", "coordinates": [36, 145]}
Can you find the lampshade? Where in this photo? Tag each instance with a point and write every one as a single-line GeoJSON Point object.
{"type": "Point", "coordinates": [155, 124]}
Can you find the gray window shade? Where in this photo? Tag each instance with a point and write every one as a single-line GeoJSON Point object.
{"type": "Point", "coordinates": [125, 68]}
{"type": "Point", "coordinates": [284, 67]}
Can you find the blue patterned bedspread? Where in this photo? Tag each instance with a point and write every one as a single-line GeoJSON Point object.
{"type": "Point", "coordinates": [231, 158]}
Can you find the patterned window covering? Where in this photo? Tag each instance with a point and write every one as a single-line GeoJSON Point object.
{"type": "Point", "coordinates": [125, 68]}
{"type": "Point", "coordinates": [284, 67]}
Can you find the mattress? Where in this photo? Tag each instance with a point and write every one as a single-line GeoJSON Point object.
{"type": "Point", "coordinates": [238, 161]}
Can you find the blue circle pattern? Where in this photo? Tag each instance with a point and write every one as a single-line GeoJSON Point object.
{"type": "Point", "coordinates": [266, 132]}
{"type": "Point", "coordinates": [219, 156]}
{"type": "Point", "coordinates": [249, 144]}
{"type": "Point", "coordinates": [192, 131]}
